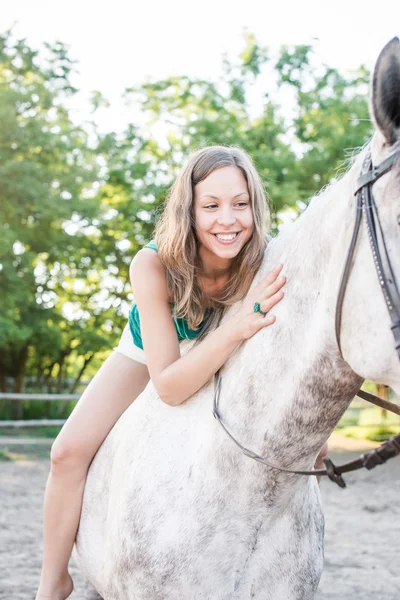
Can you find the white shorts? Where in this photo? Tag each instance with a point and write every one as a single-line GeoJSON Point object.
{"type": "Point", "coordinates": [128, 348]}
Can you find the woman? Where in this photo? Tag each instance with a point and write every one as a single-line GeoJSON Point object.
{"type": "Point", "coordinates": [209, 243]}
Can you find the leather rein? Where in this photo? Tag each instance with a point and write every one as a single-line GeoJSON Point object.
{"type": "Point", "coordinates": [365, 206]}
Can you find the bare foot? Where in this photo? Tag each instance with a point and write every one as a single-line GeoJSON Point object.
{"type": "Point", "coordinates": [62, 592]}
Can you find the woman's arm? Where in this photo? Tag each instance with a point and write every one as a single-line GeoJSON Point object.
{"type": "Point", "coordinates": [176, 378]}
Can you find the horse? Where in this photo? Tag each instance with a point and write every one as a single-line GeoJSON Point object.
{"type": "Point", "coordinates": [172, 508]}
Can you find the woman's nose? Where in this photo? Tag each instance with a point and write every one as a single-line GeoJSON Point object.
{"type": "Point", "coordinates": [226, 217]}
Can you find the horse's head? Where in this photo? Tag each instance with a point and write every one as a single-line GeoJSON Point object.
{"type": "Point", "coordinates": [371, 304]}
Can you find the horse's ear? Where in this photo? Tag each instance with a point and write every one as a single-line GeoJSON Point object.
{"type": "Point", "coordinates": [385, 99]}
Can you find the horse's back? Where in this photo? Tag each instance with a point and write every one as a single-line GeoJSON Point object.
{"type": "Point", "coordinates": [168, 513]}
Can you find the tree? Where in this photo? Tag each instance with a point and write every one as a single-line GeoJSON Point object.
{"type": "Point", "coordinates": [46, 172]}
{"type": "Point", "coordinates": [331, 117]}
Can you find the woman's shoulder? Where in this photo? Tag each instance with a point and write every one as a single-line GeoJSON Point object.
{"type": "Point", "coordinates": [147, 273]}
{"type": "Point", "coordinates": [147, 255]}
{"type": "Point", "coordinates": [145, 259]}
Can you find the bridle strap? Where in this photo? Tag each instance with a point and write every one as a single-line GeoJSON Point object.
{"type": "Point", "coordinates": [246, 451]}
{"type": "Point", "coordinates": [366, 204]}
{"type": "Point", "coordinates": [385, 404]}
{"type": "Point", "coordinates": [370, 176]}
{"type": "Point", "coordinates": [369, 460]}
{"type": "Point", "coordinates": [346, 271]}
{"type": "Point", "coordinates": [383, 266]}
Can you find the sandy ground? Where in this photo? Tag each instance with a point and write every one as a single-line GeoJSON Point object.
{"type": "Point", "coordinates": [362, 545]}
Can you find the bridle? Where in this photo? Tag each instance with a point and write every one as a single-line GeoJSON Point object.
{"type": "Point", "coordinates": [366, 206]}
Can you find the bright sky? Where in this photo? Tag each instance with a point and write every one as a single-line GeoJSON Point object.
{"type": "Point", "coordinates": [119, 43]}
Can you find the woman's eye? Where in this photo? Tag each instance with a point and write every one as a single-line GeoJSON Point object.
{"type": "Point", "coordinates": [241, 204]}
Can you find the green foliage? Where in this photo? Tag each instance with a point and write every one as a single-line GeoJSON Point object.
{"type": "Point", "coordinates": [381, 433]}
{"type": "Point", "coordinates": [46, 170]}
{"type": "Point", "coordinates": [331, 116]}
{"type": "Point", "coordinates": [369, 423]}
{"type": "Point", "coordinates": [45, 431]}
{"type": "Point", "coordinates": [24, 452]}
{"type": "Point", "coordinates": [5, 455]}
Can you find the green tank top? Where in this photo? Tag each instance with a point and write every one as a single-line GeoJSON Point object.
{"type": "Point", "coordinates": [182, 328]}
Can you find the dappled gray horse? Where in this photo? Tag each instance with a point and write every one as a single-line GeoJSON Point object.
{"type": "Point", "coordinates": [172, 509]}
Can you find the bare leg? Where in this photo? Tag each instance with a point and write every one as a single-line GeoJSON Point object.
{"type": "Point", "coordinates": [119, 381]}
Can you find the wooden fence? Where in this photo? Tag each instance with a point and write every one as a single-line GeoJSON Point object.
{"type": "Point", "coordinates": [60, 397]}
{"type": "Point", "coordinates": [356, 406]}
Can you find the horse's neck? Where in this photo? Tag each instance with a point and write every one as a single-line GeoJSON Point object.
{"type": "Point", "coordinates": [313, 253]}
{"type": "Point", "coordinates": [292, 371]}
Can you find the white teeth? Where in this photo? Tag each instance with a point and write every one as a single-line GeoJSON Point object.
{"type": "Point", "coordinates": [226, 236]}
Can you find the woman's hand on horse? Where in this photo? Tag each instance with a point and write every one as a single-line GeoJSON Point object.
{"type": "Point", "coordinates": [267, 294]}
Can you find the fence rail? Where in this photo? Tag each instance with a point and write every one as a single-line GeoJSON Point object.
{"type": "Point", "coordinates": [356, 405]}
{"type": "Point", "coordinates": [60, 397]}
{"type": "Point", "coordinates": [32, 423]}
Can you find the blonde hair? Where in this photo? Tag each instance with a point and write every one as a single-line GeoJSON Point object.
{"type": "Point", "coordinates": [177, 244]}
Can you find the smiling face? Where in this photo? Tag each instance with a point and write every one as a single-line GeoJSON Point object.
{"type": "Point", "coordinates": [223, 216]}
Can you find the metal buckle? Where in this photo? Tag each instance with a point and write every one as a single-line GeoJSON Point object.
{"type": "Point", "coordinates": [333, 474]}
